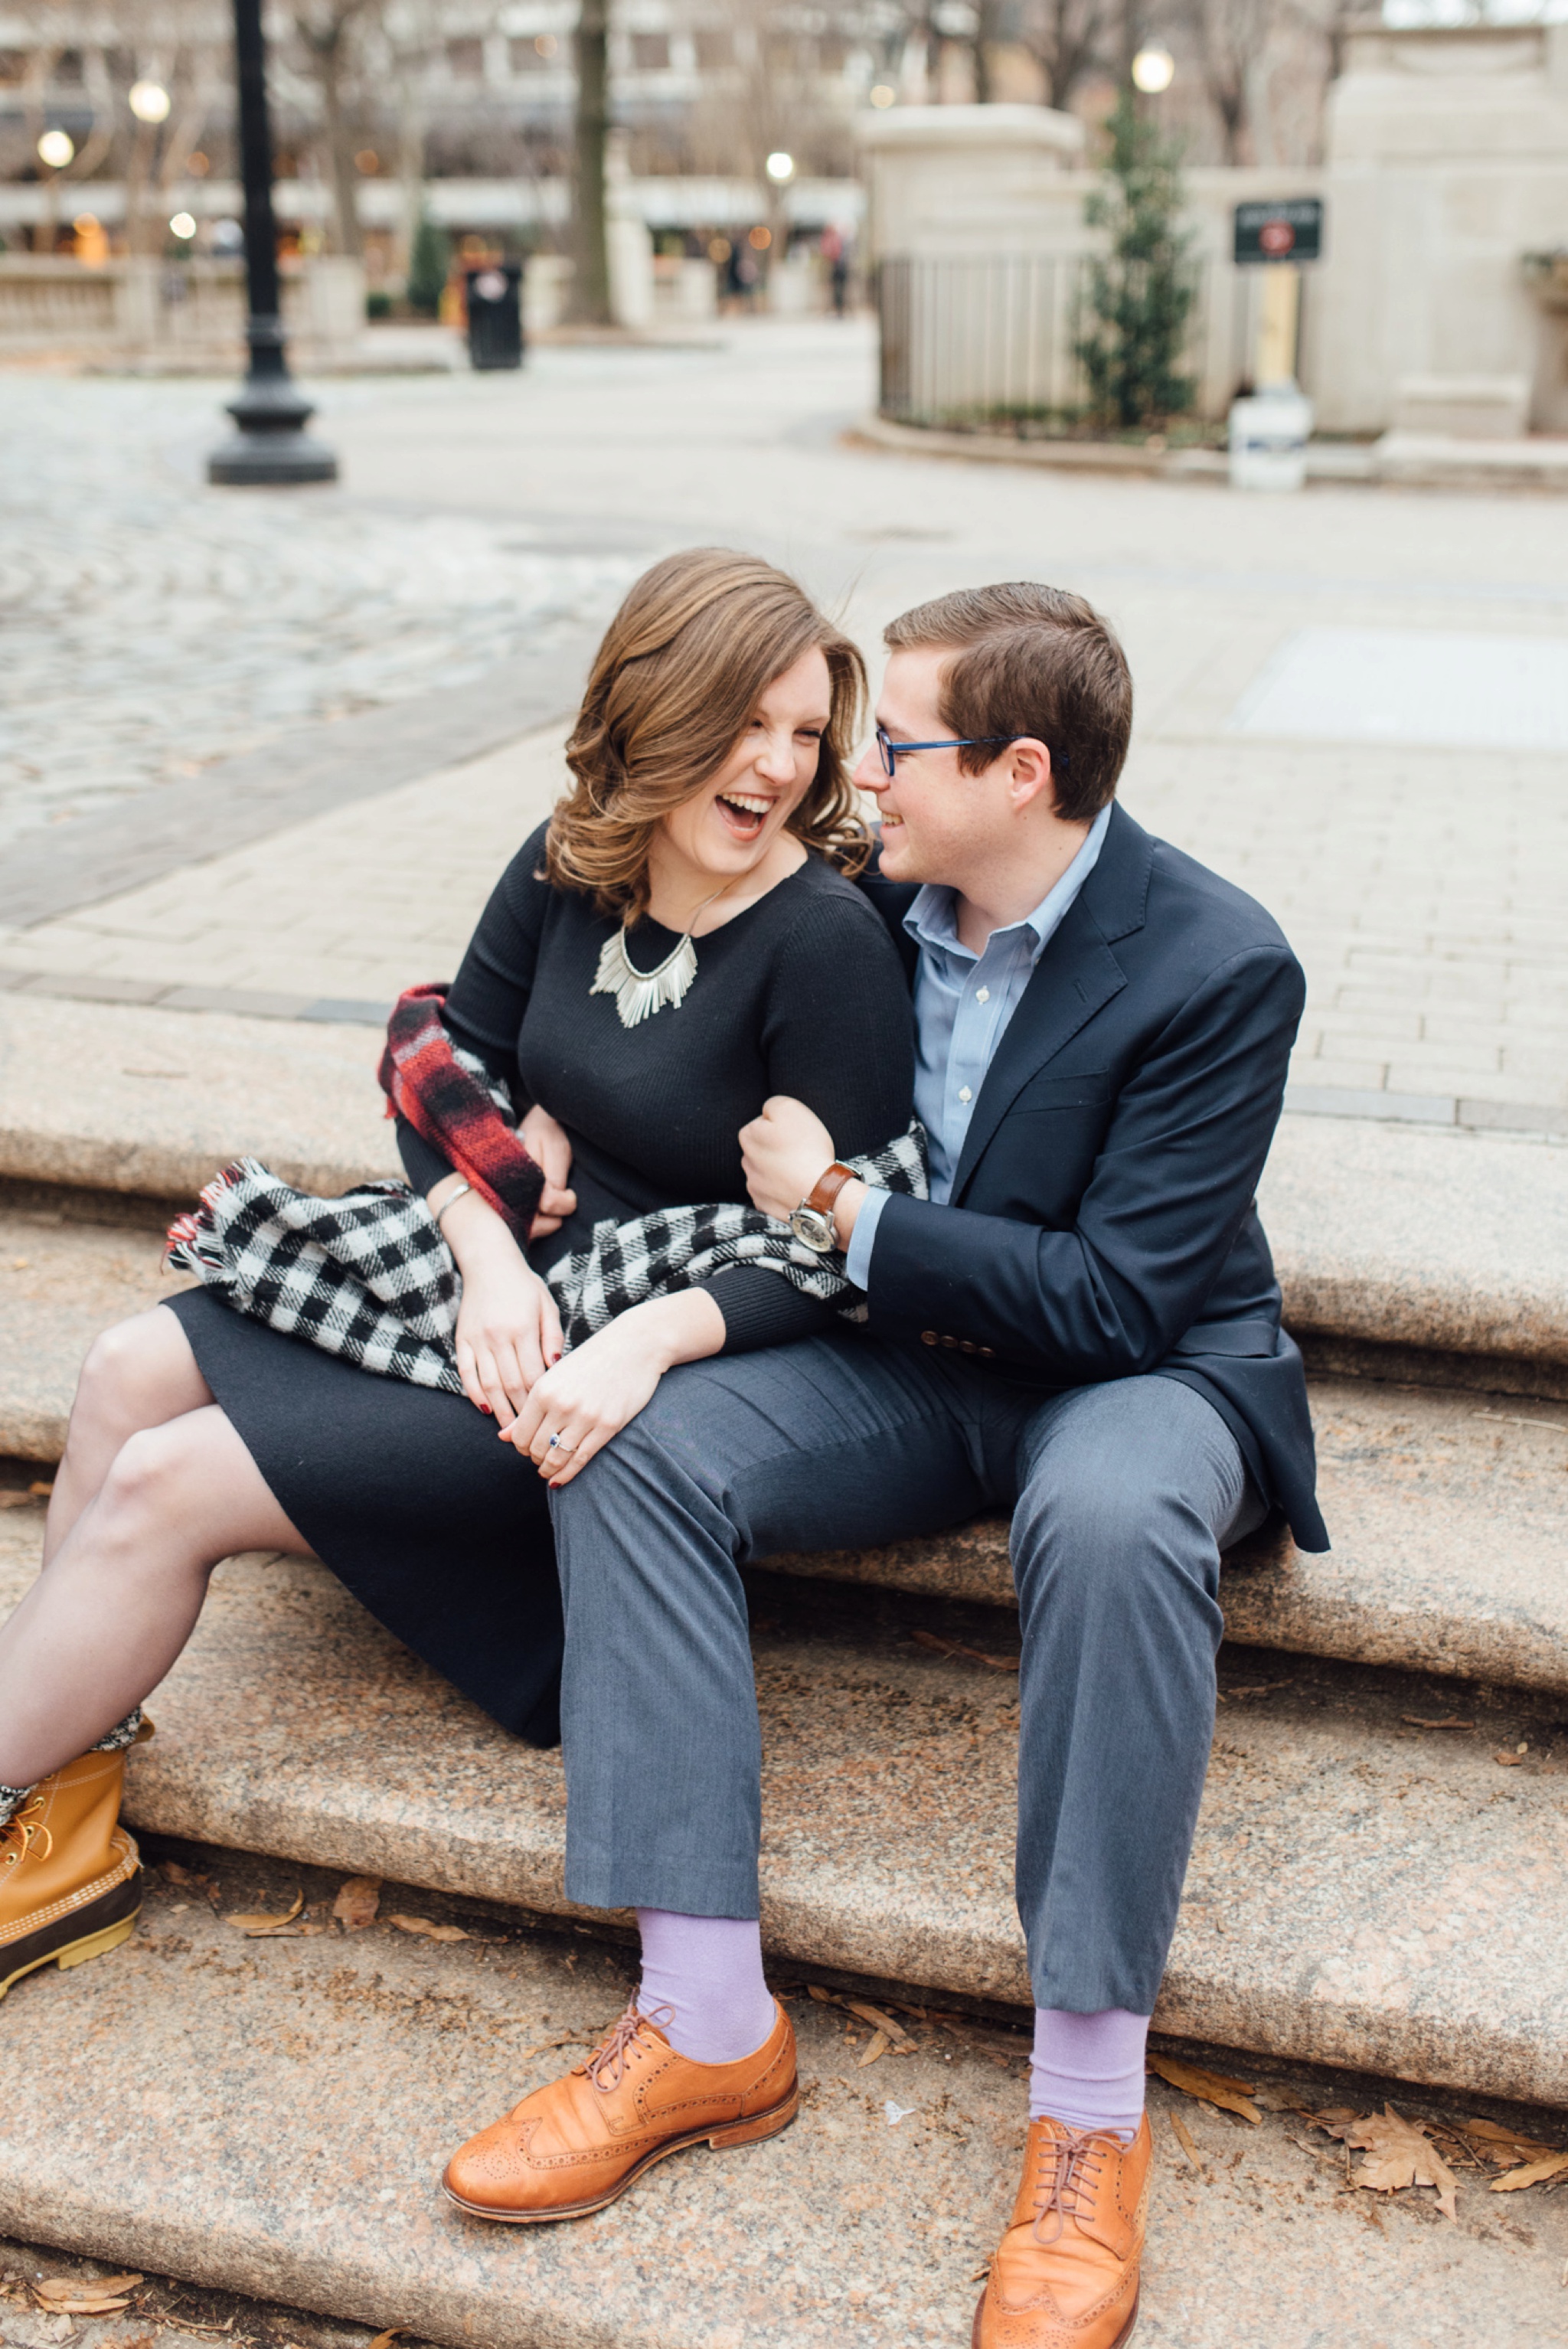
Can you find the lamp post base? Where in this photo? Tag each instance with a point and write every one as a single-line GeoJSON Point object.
{"type": "Point", "coordinates": [271, 447]}
{"type": "Point", "coordinates": [270, 460]}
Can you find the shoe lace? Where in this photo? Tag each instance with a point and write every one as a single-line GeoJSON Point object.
{"type": "Point", "coordinates": [1069, 2172]}
{"type": "Point", "coordinates": [22, 1831]}
{"type": "Point", "coordinates": [606, 2068]}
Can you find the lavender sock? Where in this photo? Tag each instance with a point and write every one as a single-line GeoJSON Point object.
{"type": "Point", "coordinates": [1086, 2070]}
{"type": "Point", "coordinates": [706, 1974]}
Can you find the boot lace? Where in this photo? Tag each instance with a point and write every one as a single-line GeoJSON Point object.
{"type": "Point", "coordinates": [22, 1831]}
{"type": "Point", "coordinates": [606, 2068]}
{"type": "Point", "coordinates": [1069, 2173]}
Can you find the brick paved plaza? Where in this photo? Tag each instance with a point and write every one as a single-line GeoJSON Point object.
{"type": "Point", "coordinates": [1415, 851]}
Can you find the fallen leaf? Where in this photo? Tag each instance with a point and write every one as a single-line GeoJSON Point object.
{"type": "Point", "coordinates": [85, 2296]}
{"type": "Point", "coordinates": [359, 1899]}
{"type": "Point", "coordinates": [970, 1655]}
{"type": "Point", "coordinates": [879, 2020]}
{"type": "Point", "coordinates": [1209, 2087]}
{"type": "Point", "coordinates": [255, 1922]}
{"type": "Point", "coordinates": [822, 1997]}
{"type": "Point", "coordinates": [384, 2340]}
{"type": "Point", "coordinates": [183, 1876]}
{"type": "Point", "coordinates": [1450, 1721]}
{"type": "Point", "coordinates": [1184, 2139]}
{"type": "Point", "coordinates": [1532, 2174]}
{"type": "Point", "coordinates": [41, 1492]}
{"type": "Point", "coordinates": [1398, 2154]}
{"type": "Point", "coordinates": [433, 1932]}
{"type": "Point", "coordinates": [1509, 1761]}
{"type": "Point", "coordinates": [1503, 2145]}
{"type": "Point", "coordinates": [879, 2046]}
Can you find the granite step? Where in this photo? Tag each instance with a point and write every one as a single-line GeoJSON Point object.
{"type": "Point", "coordinates": [1449, 1510]}
{"type": "Point", "coordinates": [269, 2118]}
{"type": "Point", "coordinates": [1420, 1252]}
{"type": "Point", "coordinates": [1367, 1889]}
{"type": "Point", "coordinates": [71, 1263]}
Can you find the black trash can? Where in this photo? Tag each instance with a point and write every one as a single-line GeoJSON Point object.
{"type": "Point", "coordinates": [494, 294]}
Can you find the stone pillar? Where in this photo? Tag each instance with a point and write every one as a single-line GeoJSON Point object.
{"type": "Point", "coordinates": [1447, 164]}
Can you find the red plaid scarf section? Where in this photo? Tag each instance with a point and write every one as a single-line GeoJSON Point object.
{"type": "Point", "coordinates": [424, 1082]}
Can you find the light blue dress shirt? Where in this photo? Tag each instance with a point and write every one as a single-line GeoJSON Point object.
{"type": "Point", "coordinates": [962, 1003]}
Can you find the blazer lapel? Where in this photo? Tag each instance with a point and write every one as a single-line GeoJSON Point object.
{"type": "Point", "coordinates": [1075, 977]}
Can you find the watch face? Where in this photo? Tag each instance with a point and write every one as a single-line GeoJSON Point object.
{"type": "Point", "coordinates": [810, 1225]}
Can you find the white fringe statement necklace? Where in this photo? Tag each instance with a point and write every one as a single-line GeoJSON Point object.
{"type": "Point", "coordinates": [640, 993]}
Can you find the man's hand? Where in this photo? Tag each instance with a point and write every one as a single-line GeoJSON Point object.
{"type": "Point", "coordinates": [601, 1384]}
{"type": "Point", "coordinates": [547, 1145]}
{"type": "Point", "coordinates": [786, 1152]}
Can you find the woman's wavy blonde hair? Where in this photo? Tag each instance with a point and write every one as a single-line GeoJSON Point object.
{"type": "Point", "coordinates": [675, 684]}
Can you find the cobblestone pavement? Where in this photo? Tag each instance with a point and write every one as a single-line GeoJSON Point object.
{"type": "Point", "coordinates": [149, 624]}
{"type": "Point", "coordinates": [1422, 882]}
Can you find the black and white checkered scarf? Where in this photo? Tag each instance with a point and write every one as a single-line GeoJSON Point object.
{"type": "Point", "coordinates": [369, 1276]}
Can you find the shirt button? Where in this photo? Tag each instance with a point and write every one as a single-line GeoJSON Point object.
{"type": "Point", "coordinates": [964, 1092]}
{"type": "Point", "coordinates": [983, 995]}
{"type": "Point", "coordinates": [928, 1338]}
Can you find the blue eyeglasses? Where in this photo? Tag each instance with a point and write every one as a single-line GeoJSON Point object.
{"type": "Point", "coordinates": [890, 752]}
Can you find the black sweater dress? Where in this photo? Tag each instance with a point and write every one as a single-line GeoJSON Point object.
{"type": "Point", "coordinates": [440, 1529]}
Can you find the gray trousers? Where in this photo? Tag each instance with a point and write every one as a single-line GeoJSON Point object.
{"type": "Point", "coordinates": [1122, 1498]}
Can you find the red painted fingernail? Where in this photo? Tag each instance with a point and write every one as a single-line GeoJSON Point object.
{"type": "Point", "coordinates": [553, 1359]}
{"type": "Point", "coordinates": [486, 1410]}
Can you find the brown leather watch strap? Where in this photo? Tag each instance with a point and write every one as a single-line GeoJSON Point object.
{"type": "Point", "coordinates": [827, 1189]}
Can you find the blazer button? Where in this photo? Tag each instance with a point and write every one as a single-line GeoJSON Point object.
{"type": "Point", "coordinates": [988, 1350]}
{"type": "Point", "coordinates": [929, 1337]}
{"type": "Point", "coordinates": [947, 1341]}
{"type": "Point", "coordinates": [967, 1346]}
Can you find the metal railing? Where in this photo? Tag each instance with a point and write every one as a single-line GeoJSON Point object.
{"type": "Point", "coordinates": [976, 343]}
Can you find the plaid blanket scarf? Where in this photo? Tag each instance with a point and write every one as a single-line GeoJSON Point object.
{"type": "Point", "coordinates": [369, 1277]}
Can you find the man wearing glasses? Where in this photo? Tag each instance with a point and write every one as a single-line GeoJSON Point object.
{"type": "Point", "coordinates": [1082, 1325]}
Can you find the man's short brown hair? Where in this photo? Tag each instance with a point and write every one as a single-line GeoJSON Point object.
{"type": "Point", "coordinates": [1030, 660]}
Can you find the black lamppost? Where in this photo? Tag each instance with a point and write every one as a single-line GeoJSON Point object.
{"type": "Point", "coordinates": [270, 443]}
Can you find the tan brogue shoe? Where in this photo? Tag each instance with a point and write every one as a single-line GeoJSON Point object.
{"type": "Point", "coordinates": [1066, 2276]}
{"type": "Point", "coordinates": [70, 1876]}
{"type": "Point", "coordinates": [574, 2147]}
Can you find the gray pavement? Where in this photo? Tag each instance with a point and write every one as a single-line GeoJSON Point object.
{"type": "Point", "coordinates": [1414, 845]}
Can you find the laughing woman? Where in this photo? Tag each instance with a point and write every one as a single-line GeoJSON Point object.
{"type": "Point", "coordinates": [680, 941]}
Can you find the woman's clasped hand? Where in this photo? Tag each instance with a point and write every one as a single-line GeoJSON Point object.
{"type": "Point", "coordinates": [582, 1401]}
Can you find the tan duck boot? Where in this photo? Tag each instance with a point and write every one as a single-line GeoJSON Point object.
{"type": "Point", "coordinates": [70, 1876]}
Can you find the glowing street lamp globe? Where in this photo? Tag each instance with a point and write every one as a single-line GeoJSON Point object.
{"type": "Point", "coordinates": [1153, 70]}
{"type": "Point", "coordinates": [182, 225]}
{"type": "Point", "coordinates": [56, 149]}
{"type": "Point", "coordinates": [780, 167]}
{"type": "Point", "coordinates": [149, 101]}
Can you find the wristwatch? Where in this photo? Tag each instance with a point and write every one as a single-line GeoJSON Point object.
{"type": "Point", "coordinates": [812, 1220]}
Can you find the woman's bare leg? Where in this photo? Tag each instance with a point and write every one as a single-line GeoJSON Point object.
{"type": "Point", "coordinates": [138, 1374]}
{"type": "Point", "coordinates": [98, 1631]}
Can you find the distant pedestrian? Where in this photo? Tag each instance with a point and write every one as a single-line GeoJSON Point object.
{"type": "Point", "coordinates": [835, 253]}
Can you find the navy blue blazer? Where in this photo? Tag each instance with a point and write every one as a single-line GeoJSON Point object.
{"type": "Point", "coordinates": [1103, 1222]}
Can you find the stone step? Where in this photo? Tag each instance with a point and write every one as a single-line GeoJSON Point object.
{"type": "Point", "coordinates": [270, 2117]}
{"type": "Point", "coordinates": [1448, 1511]}
{"type": "Point", "coordinates": [1366, 1891]}
{"type": "Point", "coordinates": [70, 1264]}
{"type": "Point", "coordinates": [1396, 1242]}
